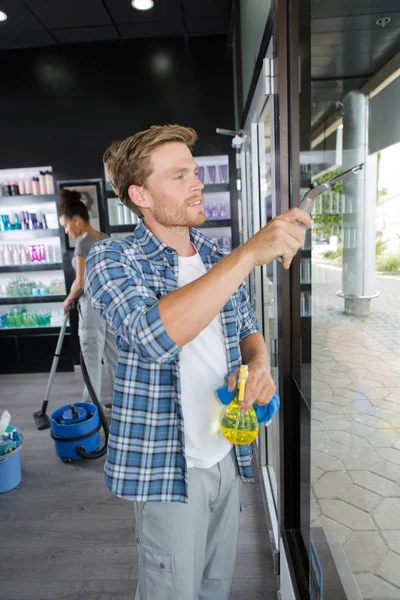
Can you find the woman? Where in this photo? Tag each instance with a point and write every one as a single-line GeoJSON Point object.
{"type": "Point", "coordinates": [96, 338]}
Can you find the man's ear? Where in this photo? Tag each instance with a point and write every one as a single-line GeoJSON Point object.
{"type": "Point", "coordinates": [137, 196]}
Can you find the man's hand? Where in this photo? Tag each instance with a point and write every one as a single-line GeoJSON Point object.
{"type": "Point", "coordinates": [260, 386]}
{"type": "Point", "coordinates": [68, 305]}
{"type": "Point", "coordinates": [283, 236]}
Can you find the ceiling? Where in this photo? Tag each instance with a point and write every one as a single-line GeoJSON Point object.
{"type": "Point", "coordinates": [34, 23]}
{"type": "Point", "coordinates": [348, 47]}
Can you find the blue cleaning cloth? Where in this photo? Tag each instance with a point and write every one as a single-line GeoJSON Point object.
{"type": "Point", "coordinates": [263, 413]}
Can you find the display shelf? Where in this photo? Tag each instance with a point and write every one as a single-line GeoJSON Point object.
{"type": "Point", "coordinates": [217, 223]}
{"type": "Point", "coordinates": [129, 228]}
{"type": "Point", "coordinates": [31, 267]}
{"type": "Point", "coordinates": [31, 299]}
{"type": "Point", "coordinates": [216, 187]}
{"type": "Point", "coordinates": [14, 235]}
{"type": "Point", "coordinates": [27, 199]}
{"type": "Point", "coordinates": [21, 330]}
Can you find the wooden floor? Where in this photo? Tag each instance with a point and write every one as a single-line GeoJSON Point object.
{"type": "Point", "coordinates": [64, 536]}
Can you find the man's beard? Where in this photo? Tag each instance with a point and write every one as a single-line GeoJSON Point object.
{"type": "Point", "coordinates": [178, 216]}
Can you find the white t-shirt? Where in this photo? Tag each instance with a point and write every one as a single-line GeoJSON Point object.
{"type": "Point", "coordinates": [203, 366]}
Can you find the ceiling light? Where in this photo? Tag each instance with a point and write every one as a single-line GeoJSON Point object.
{"type": "Point", "coordinates": [142, 4]}
{"type": "Point", "coordinates": [3, 16]}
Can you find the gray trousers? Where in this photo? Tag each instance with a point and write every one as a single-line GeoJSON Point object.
{"type": "Point", "coordinates": [188, 551]}
{"type": "Point", "coordinates": [97, 342]}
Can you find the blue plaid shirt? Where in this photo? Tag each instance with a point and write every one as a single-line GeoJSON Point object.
{"type": "Point", "coordinates": [124, 280]}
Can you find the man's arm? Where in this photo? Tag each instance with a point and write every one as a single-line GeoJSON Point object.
{"type": "Point", "coordinates": [118, 291]}
{"type": "Point", "coordinates": [190, 309]}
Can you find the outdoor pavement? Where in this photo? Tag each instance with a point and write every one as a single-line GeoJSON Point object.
{"type": "Point", "coordinates": [356, 430]}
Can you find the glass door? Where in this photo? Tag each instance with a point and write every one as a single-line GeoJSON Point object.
{"type": "Point", "coordinates": [268, 279]}
{"type": "Point", "coordinates": [259, 207]}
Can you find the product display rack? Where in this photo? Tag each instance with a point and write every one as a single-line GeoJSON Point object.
{"type": "Point", "coordinates": [31, 299]}
{"type": "Point", "coordinates": [214, 192]}
{"type": "Point", "coordinates": [31, 267]}
{"type": "Point", "coordinates": [27, 234]}
{"type": "Point", "coordinates": [225, 230]}
{"type": "Point", "coordinates": [29, 349]}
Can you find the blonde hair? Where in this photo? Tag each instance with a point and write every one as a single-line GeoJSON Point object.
{"type": "Point", "coordinates": [129, 162]}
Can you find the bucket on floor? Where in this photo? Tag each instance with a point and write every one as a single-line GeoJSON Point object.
{"type": "Point", "coordinates": [73, 426]}
{"type": "Point", "coordinates": [10, 468]}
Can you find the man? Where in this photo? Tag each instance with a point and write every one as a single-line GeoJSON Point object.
{"type": "Point", "coordinates": [183, 321]}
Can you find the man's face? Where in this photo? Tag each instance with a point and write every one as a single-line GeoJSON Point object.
{"type": "Point", "coordinates": [173, 190]}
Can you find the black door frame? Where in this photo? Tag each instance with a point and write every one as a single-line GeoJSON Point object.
{"type": "Point", "coordinates": [289, 24]}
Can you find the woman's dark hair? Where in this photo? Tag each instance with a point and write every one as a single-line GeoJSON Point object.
{"type": "Point", "coordinates": [71, 205]}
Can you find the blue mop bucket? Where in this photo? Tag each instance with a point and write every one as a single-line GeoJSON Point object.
{"type": "Point", "coordinates": [73, 426]}
{"type": "Point", "coordinates": [10, 467]}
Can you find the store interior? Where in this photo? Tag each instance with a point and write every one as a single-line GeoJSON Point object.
{"type": "Point", "coordinates": [310, 88]}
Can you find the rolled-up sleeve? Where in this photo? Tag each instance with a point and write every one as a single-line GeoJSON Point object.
{"type": "Point", "coordinates": [117, 290]}
{"type": "Point", "coordinates": [249, 323]}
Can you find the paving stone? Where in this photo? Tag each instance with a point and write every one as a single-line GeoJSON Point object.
{"type": "Point", "coordinates": [359, 406]}
{"type": "Point", "coordinates": [395, 419]}
{"type": "Point", "coordinates": [332, 527]}
{"type": "Point", "coordinates": [387, 514]}
{"type": "Point", "coordinates": [318, 439]}
{"type": "Point", "coordinates": [338, 422]}
{"type": "Point", "coordinates": [386, 469]}
{"type": "Point", "coordinates": [322, 389]}
{"type": "Point", "coordinates": [372, 421]}
{"type": "Point", "coordinates": [325, 462]}
{"type": "Point", "coordinates": [332, 485]}
{"type": "Point", "coordinates": [371, 384]}
{"type": "Point", "coordinates": [392, 381]}
{"type": "Point", "coordinates": [390, 454]}
{"type": "Point", "coordinates": [385, 438]}
{"type": "Point", "coordinates": [329, 407]}
{"type": "Point", "coordinates": [393, 539]}
{"type": "Point", "coordinates": [350, 394]}
{"type": "Point", "coordinates": [348, 439]}
{"type": "Point", "coordinates": [392, 407]}
{"type": "Point", "coordinates": [389, 568]}
{"type": "Point", "coordinates": [364, 550]}
{"type": "Point", "coordinates": [339, 486]}
{"type": "Point", "coordinates": [316, 473]}
{"type": "Point", "coordinates": [315, 510]}
{"type": "Point", "coordinates": [362, 430]}
{"type": "Point", "coordinates": [347, 515]}
{"type": "Point", "coordinates": [360, 459]}
{"type": "Point", "coordinates": [340, 382]}
{"type": "Point", "coordinates": [374, 588]}
{"type": "Point", "coordinates": [319, 415]}
{"type": "Point", "coordinates": [393, 398]}
{"type": "Point", "coordinates": [339, 400]}
{"type": "Point", "coordinates": [375, 483]}
{"type": "Point", "coordinates": [378, 393]}
{"type": "Point", "coordinates": [317, 425]}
